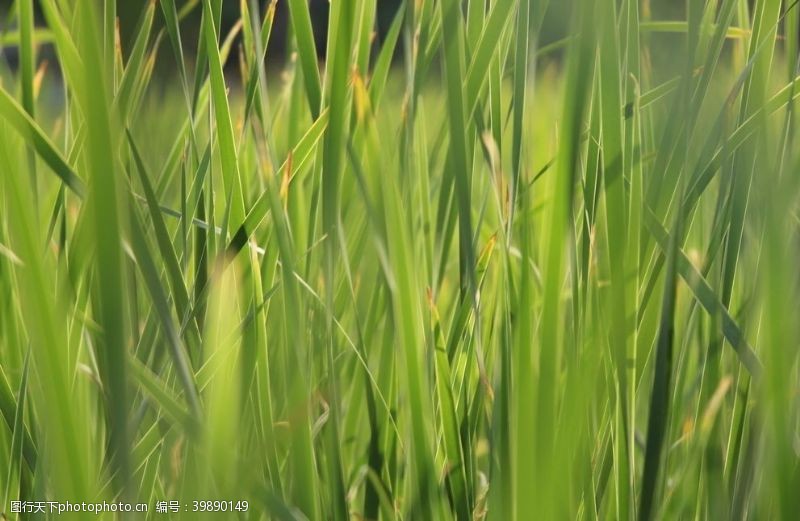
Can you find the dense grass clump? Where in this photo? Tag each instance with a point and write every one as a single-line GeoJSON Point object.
{"type": "Point", "coordinates": [444, 271]}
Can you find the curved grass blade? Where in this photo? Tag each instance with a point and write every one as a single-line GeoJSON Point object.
{"type": "Point", "coordinates": [16, 116]}
{"type": "Point", "coordinates": [168, 403]}
{"type": "Point", "coordinates": [133, 69]}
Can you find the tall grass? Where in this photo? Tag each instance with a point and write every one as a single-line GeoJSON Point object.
{"type": "Point", "coordinates": [445, 271]}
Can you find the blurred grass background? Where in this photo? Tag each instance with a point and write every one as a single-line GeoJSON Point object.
{"type": "Point", "coordinates": [429, 259]}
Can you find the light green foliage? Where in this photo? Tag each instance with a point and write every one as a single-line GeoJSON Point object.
{"type": "Point", "coordinates": [444, 270]}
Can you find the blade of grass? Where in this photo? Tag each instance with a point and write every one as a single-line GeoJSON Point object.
{"type": "Point", "coordinates": [224, 123]}
{"type": "Point", "coordinates": [307, 51]}
{"type": "Point", "coordinates": [27, 67]}
{"type": "Point", "coordinates": [101, 143]}
{"type": "Point", "coordinates": [16, 116]}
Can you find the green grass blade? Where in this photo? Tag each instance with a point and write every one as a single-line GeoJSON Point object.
{"type": "Point", "coordinates": [306, 49]}
{"type": "Point", "coordinates": [224, 122]}
{"type": "Point", "coordinates": [16, 116]}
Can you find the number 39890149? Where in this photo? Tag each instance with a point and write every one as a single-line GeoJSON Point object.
{"type": "Point", "coordinates": [220, 506]}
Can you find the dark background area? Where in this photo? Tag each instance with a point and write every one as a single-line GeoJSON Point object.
{"type": "Point", "coordinates": [129, 13]}
{"type": "Point", "coordinates": [555, 27]}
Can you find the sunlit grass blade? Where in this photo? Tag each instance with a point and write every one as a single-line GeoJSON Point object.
{"type": "Point", "coordinates": [558, 238]}
{"type": "Point", "coordinates": [224, 122]}
{"type": "Point", "coordinates": [382, 67]}
{"type": "Point", "coordinates": [27, 67]}
{"type": "Point", "coordinates": [16, 116]}
{"type": "Point", "coordinates": [70, 462]}
{"type": "Point", "coordinates": [133, 68]}
{"type": "Point", "coordinates": [107, 222]}
{"type": "Point", "coordinates": [307, 51]}
{"type": "Point", "coordinates": [459, 148]}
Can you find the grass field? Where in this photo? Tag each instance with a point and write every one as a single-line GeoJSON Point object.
{"type": "Point", "coordinates": [451, 272]}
